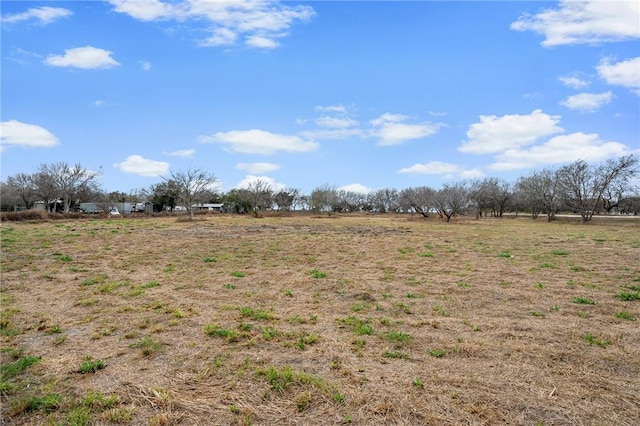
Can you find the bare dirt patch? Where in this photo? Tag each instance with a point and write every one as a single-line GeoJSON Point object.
{"type": "Point", "coordinates": [309, 320]}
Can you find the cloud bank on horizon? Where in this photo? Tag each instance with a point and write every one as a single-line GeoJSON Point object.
{"type": "Point", "coordinates": [224, 86]}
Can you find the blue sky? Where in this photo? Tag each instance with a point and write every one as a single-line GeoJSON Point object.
{"type": "Point", "coordinates": [360, 95]}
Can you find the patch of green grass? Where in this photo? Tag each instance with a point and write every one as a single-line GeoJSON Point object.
{"type": "Point", "coordinates": [210, 260]}
{"type": "Point", "coordinates": [256, 314]}
{"type": "Point", "coordinates": [151, 284]}
{"type": "Point", "coordinates": [288, 293]}
{"type": "Point", "coordinates": [559, 252]}
{"type": "Point", "coordinates": [12, 369]}
{"type": "Point", "coordinates": [318, 274]}
{"type": "Point", "coordinates": [437, 353]}
{"type": "Point", "coordinates": [359, 326]}
{"type": "Point", "coordinates": [592, 340]}
{"type": "Point", "coordinates": [628, 296]}
{"type": "Point", "coordinates": [98, 279]}
{"type": "Point", "coordinates": [229, 286]}
{"type": "Point", "coordinates": [217, 331]}
{"type": "Point", "coordinates": [505, 254]}
{"type": "Point", "coordinates": [307, 339]}
{"type": "Point", "coordinates": [238, 274]}
{"type": "Point", "coordinates": [395, 354]}
{"type": "Point", "coordinates": [91, 365]}
{"type": "Point", "coordinates": [398, 336]}
{"type": "Point", "coordinates": [548, 266]}
{"type": "Point", "coordinates": [439, 310]}
{"type": "Point", "coordinates": [538, 314]}
{"type": "Point", "coordinates": [625, 316]}
{"type": "Point", "coordinates": [426, 254]}
{"type": "Point", "coordinates": [419, 383]}
{"type": "Point", "coordinates": [48, 403]}
{"type": "Point", "coordinates": [270, 333]}
{"type": "Point", "coordinates": [147, 345]}
{"type": "Point", "coordinates": [577, 268]}
{"type": "Point", "coordinates": [539, 285]}
{"type": "Point", "coordinates": [281, 379]}
{"type": "Point", "coordinates": [463, 284]}
{"type": "Point", "coordinates": [583, 301]}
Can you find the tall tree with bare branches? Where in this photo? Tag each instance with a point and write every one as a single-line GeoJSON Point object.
{"type": "Point", "coordinates": [192, 187]}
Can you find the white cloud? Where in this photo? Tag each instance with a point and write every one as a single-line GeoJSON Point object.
{"type": "Point", "coordinates": [260, 23]}
{"type": "Point", "coordinates": [436, 113]}
{"type": "Point", "coordinates": [332, 108]}
{"type": "Point", "coordinates": [573, 81]}
{"type": "Point", "coordinates": [471, 173]}
{"type": "Point", "coordinates": [625, 73]}
{"type": "Point", "coordinates": [261, 42]}
{"type": "Point", "coordinates": [184, 153]}
{"type": "Point", "coordinates": [495, 134]}
{"type": "Point", "coordinates": [16, 133]}
{"type": "Point", "coordinates": [257, 168]}
{"type": "Point", "coordinates": [44, 15]}
{"type": "Point", "coordinates": [336, 122]}
{"type": "Point", "coordinates": [431, 168]}
{"type": "Point", "coordinates": [146, 65]}
{"type": "Point", "coordinates": [391, 131]}
{"type": "Point", "coordinates": [137, 165]}
{"type": "Point", "coordinates": [321, 134]}
{"type": "Point", "coordinates": [146, 10]}
{"type": "Point", "coordinates": [584, 22]}
{"type": "Point", "coordinates": [259, 142]}
{"type": "Point", "coordinates": [560, 149]}
{"type": "Point", "coordinates": [99, 103]}
{"type": "Point", "coordinates": [587, 102]}
{"type": "Point", "coordinates": [249, 179]}
{"type": "Point", "coordinates": [356, 187]}
{"type": "Point", "coordinates": [87, 57]}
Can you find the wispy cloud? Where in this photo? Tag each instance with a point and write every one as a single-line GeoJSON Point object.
{"type": "Point", "coordinates": [259, 23]}
{"type": "Point", "coordinates": [184, 153]}
{"type": "Point", "coordinates": [587, 102]}
{"type": "Point", "coordinates": [392, 129]}
{"type": "Point", "coordinates": [584, 22]}
{"type": "Point", "coordinates": [257, 141]}
{"type": "Point", "coordinates": [87, 57]}
{"type": "Point", "coordinates": [574, 81]}
{"type": "Point", "coordinates": [146, 65]}
{"type": "Point", "coordinates": [249, 179]}
{"type": "Point", "coordinates": [43, 15]}
{"type": "Point", "coordinates": [358, 188]}
{"type": "Point", "coordinates": [257, 168]}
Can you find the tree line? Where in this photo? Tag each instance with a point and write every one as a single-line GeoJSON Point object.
{"type": "Point", "coordinates": [578, 187]}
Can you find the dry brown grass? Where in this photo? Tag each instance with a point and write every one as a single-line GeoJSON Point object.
{"type": "Point", "coordinates": [415, 322]}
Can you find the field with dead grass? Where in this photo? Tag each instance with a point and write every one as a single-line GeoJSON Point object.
{"type": "Point", "coordinates": [363, 320]}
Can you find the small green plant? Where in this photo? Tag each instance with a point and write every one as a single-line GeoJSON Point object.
{"type": "Point", "coordinates": [539, 285]}
{"type": "Point", "coordinates": [238, 274]}
{"type": "Point", "coordinates": [65, 258]}
{"type": "Point", "coordinates": [151, 284]}
{"type": "Point", "coordinates": [397, 336]}
{"type": "Point", "coordinates": [419, 383]}
{"type": "Point", "coordinates": [538, 314]}
{"type": "Point", "coordinates": [583, 301]}
{"type": "Point", "coordinates": [395, 354]}
{"type": "Point", "coordinates": [339, 397]}
{"type": "Point", "coordinates": [577, 268]}
{"type": "Point", "coordinates": [437, 353]}
{"type": "Point", "coordinates": [54, 329]}
{"type": "Point", "coordinates": [217, 331]}
{"type": "Point", "coordinates": [256, 314]}
{"type": "Point", "coordinates": [505, 254]}
{"type": "Point", "coordinates": [147, 345]}
{"type": "Point", "coordinates": [307, 339]}
{"type": "Point", "coordinates": [439, 310]}
{"type": "Point", "coordinates": [554, 308]}
{"type": "Point", "coordinates": [317, 274]}
{"type": "Point", "coordinates": [628, 296]}
{"type": "Point", "coordinates": [559, 252]}
{"type": "Point", "coordinates": [229, 286]}
{"type": "Point", "coordinates": [48, 403]}
{"type": "Point", "coordinates": [582, 314]}
{"type": "Point", "coordinates": [91, 365]}
{"type": "Point", "coordinates": [625, 316]}
{"type": "Point", "coordinates": [592, 340]}
{"type": "Point", "coordinates": [288, 293]}
{"type": "Point", "coordinates": [426, 254]}
{"type": "Point", "coordinates": [210, 260]}
{"type": "Point", "coordinates": [464, 284]}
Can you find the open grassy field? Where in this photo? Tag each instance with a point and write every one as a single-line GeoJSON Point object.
{"type": "Point", "coordinates": [364, 320]}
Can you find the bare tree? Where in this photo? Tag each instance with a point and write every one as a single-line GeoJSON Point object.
{"type": "Point", "coordinates": [286, 198]}
{"type": "Point", "coordinates": [261, 194]}
{"type": "Point", "coordinates": [583, 185]}
{"type": "Point", "coordinates": [45, 189]}
{"type": "Point", "coordinates": [384, 200]}
{"type": "Point", "coordinates": [420, 199]}
{"type": "Point", "coordinates": [69, 180]}
{"type": "Point", "coordinates": [21, 186]}
{"type": "Point", "coordinates": [452, 200]}
{"type": "Point", "coordinates": [541, 191]}
{"type": "Point", "coordinates": [192, 187]}
{"type": "Point", "coordinates": [323, 198]}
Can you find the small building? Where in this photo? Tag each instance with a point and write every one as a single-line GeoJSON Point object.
{"type": "Point", "coordinates": [208, 206]}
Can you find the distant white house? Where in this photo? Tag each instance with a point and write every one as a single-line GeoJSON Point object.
{"type": "Point", "coordinates": [208, 206]}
